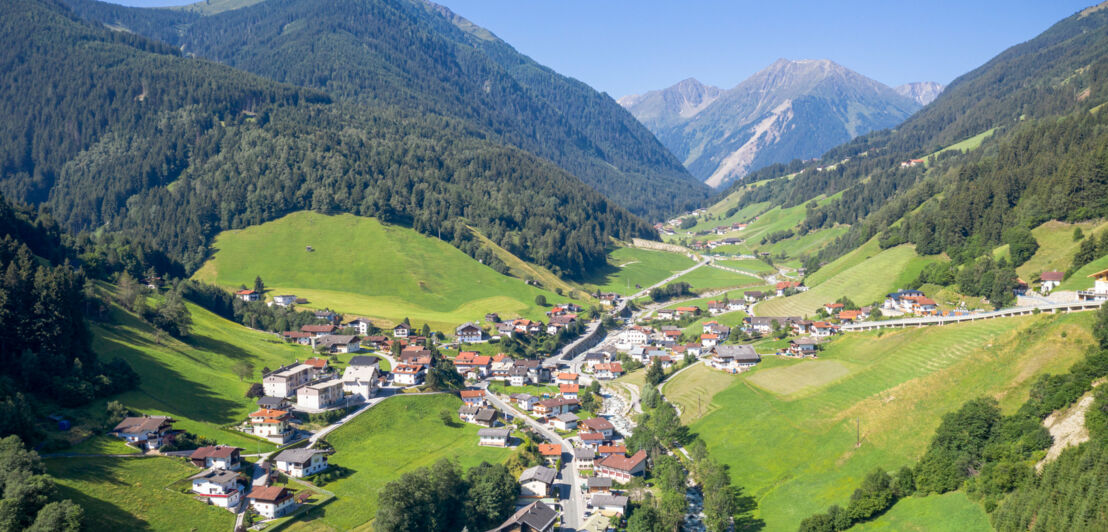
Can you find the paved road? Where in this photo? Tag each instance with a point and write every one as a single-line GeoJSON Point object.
{"type": "Point", "coordinates": [573, 505]}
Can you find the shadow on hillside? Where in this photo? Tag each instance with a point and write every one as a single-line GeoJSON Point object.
{"type": "Point", "coordinates": [99, 513]}
{"type": "Point", "coordinates": [599, 276]}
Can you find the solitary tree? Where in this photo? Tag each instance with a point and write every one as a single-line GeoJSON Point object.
{"type": "Point", "coordinates": [540, 300]}
{"type": "Point", "coordinates": [259, 286]}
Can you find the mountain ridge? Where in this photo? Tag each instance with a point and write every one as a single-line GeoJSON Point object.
{"type": "Point", "coordinates": [923, 92]}
{"type": "Point", "coordinates": [790, 109]}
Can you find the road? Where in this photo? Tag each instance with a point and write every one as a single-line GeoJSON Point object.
{"type": "Point", "coordinates": [573, 506]}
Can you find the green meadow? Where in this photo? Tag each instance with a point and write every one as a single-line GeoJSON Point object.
{"type": "Point", "coordinates": [193, 380]}
{"type": "Point", "coordinates": [709, 278]}
{"type": "Point", "coordinates": [864, 281]}
{"type": "Point", "coordinates": [1056, 247]}
{"type": "Point", "coordinates": [394, 437]}
{"type": "Point", "coordinates": [360, 266]}
{"type": "Point", "coordinates": [788, 428]}
{"type": "Point", "coordinates": [631, 267]}
{"type": "Point", "coordinates": [1080, 279]}
{"type": "Point", "coordinates": [130, 494]}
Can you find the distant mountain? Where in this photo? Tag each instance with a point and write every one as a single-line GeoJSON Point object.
{"type": "Point", "coordinates": [669, 107]}
{"type": "Point", "coordinates": [792, 109]}
{"type": "Point", "coordinates": [923, 92]}
{"type": "Point", "coordinates": [421, 57]}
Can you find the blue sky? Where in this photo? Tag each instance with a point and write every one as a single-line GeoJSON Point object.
{"type": "Point", "coordinates": [623, 47]}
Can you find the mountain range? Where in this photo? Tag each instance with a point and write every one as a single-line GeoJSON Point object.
{"type": "Point", "coordinates": [421, 57]}
{"type": "Point", "coordinates": [789, 110]}
{"type": "Point", "coordinates": [923, 92]}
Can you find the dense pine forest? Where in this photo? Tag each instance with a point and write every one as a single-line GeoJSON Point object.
{"type": "Point", "coordinates": [422, 58]}
{"type": "Point", "coordinates": [108, 130]}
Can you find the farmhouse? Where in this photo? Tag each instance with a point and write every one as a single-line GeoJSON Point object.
{"type": "Point", "coordinates": [144, 432]}
{"type": "Point", "coordinates": [219, 486]}
{"type": "Point", "coordinates": [318, 330]}
{"type": "Point", "coordinates": [709, 340]}
{"type": "Point", "coordinates": [620, 468]}
{"type": "Point", "coordinates": [284, 300]}
{"type": "Point", "coordinates": [473, 397]}
{"type": "Point", "coordinates": [666, 314]}
{"type": "Point", "coordinates": [486, 417]}
{"type": "Point", "coordinates": [734, 358]}
{"type": "Point", "coordinates": [716, 308]}
{"type": "Point", "coordinates": [469, 332]}
{"type": "Point", "coordinates": [1048, 281]}
{"type": "Point", "coordinates": [271, 501]}
{"type": "Point", "coordinates": [785, 286]}
{"type": "Point", "coordinates": [850, 316]}
{"type": "Point", "coordinates": [634, 335]}
{"type": "Point", "coordinates": [402, 330]}
{"type": "Point", "coordinates": [248, 295]}
{"type": "Point", "coordinates": [535, 517]}
{"type": "Point", "coordinates": [822, 329]}
{"type": "Point", "coordinates": [339, 343]}
{"type": "Point", "coordinates": [517, 376]}
{"type": "Point", "coordinates": [285, 381]}
{"type": "Point", "coordinates": [494, 437]}
{"type": "Point", "coordinates": [803, 347]}
{"type": "Point", "coordinates": [217, 456]}
{"type": "Point", "coordinates": [320, 395]}
{"type": "Point", "coordinates": [300, 337]}
{"type": "Point", "coordinates": [753, 296]}
{"type": "Point", "coordinates": [492, 317]}
{"type": "Point", "coordinates": [557, 323]}
{"type": "Point", "coordinates": [300, 463]}
{"type": "Point", "coordinates": [569, 391]}
{"type": "Point", "coordinates": [608, 370]}
{"type": "Point", "coordinates": [556, 406]}
{"type": "Point", "coordinates": [598, 425]}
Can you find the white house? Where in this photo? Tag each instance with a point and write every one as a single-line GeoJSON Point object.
{"type": "Point", "coordinates": [285, 381]}
{"type": "Point", "coordinates": [402, 330]}
{"type": "Point", "coordinates": [734, 358]}
{"type": "Point", "coordinates": [1050, 280]}
{"type": "Point", "coordinates": [361, 326]}
{"type": "Point", "coordinates": [609, 505]}
{"type": "Point", "coordinates": [144, 432]}
{"type": "Point", "coordinates": [535, 482]}
{"type": "Point", "coordinates": [248, 295]}
{"type": "Point", "coordinates": [360, 381]}
{"type": "Point", "coordinates": [284, 300]}
{"type": "Point", "coordinates": [633, 336]}
{"type": "Point", "coordinates": [217, 456]}
{"type": "Point", "coordinates": [270, 423]}
{"type": "Point", "coordinates": [408, 374]}
{"type": "Point", "coordinates": [621, 468]}
{"type": "Point", "coordinates": [1100, 288]}
{"type": "Point", "coordinates": [494, 437]}
{"type": "Point", "coordinates": [271, 501]}
{"type": "Point", "coordinates": [219, 486]}
{"type": "Point", "coordinates": [300, 463]}
{"type": "Point", "coordinates": [320, 395]}
{"type": "Point", "coordinates": [565, 422]}
{"type": "Point", "coordinates": [469, 332]}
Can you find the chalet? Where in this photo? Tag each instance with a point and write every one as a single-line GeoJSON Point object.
{"type": "Point", "coordinates": [339, 343]}
{"type": "Point", "coordinates": [217, 456]}
{"type": "Point", "coordinates": [666, 314]}
{"type": "Point", "coordinates": [469, 332]}
{"type": "Point", "coordinates": [608, 371]}
{"type": "Point", "coordinates": [895, 300]}
{"type": "Point", "coordinates": [300, 463]}
{"type": "Point", "coordinates": [566, 378]}
{"type": "Point", "coordinates": [713, 327]}
{"type": "Point", "coordinates": [767, 324]}
{"type": "Point", "coordinates": [753, 296]}
{"type": "Point", "coordinates": [592, 359]}
{"type": "Point", "coordinates": [801, 326]}
{"type": "Point", "coordinates": [556, 406]}
{"type": "Point", "coordinates": [248, 295]}
{"type": "Point", "coordinates": [693, 349]}
{"type": "Point", "coordinates": [609, 299]}
{"type": "Point", "coordinates": [319, 365]}
{"type": "Point", "coordinates": [361, 326]}
{"type": "Point", "coordinates": [609, 505]}
{"type": "Point", "coordinates": [506, 329]}
{"type": "Point", "coordinates": [583, 457]}
{"type": "Point", "coordinates": [525, 401]}
{"type": "Point", "coordinates": [377, 342]}
{"type": "Point", "coordinates": [360, 381]}
{"type": "Point", "coordinates": [284, 300]}
{"type": "Point", "coordinates": [1048, 281]}
{"type": "Point", "coordinates": [486, 417]}
{"type": "Point", "coordinates": [832, 308]}
{"type": "Point", "coordinates": [525, 326]}
{"type": "Point", "coordinates": [415, 354]}
{"type": "Point", "coordinates": [286, 380]}
{"type": "Point", "coordinates": [569, 391]}
{"type": "Point", "coordinates": [551, 452]}
{"type": "Point", "coordinates": [468, 413]}
{"type": "Point", "coordinates": [535, 517]}
{"type": "Point", "coordinates": [300, 337]}
{"type": "Point", "coordinates": [271, 501]}
{"type": "Point", "coordinates": [492, 317]}
{"type": "Point", "coordinates": [591, 440]}
{"type": "Point", "coordinates": [621, 468]}
{"type": "Point", "coordinates": [490, 437]}
{"type": "Point", "coordinates": [784, 287]}
{"type": "Point", "coordinates": [599, 485]}
{"type": "Point", "coordinates": [557, 323]}
{"type": "Point", "coordinates": [402, 330]}
{"type": "Point", "coordinates": [408, 374]}
{"type": "Point", "coordinates": [535, 370]}
{"type": "Point", "coordinates": [219, 486]}
{"type": "Point", "coordinates": [850, 316]}
{"type": "Point", "coordinates": [320, 395]}
{"type": "Point", "coordinates": [473, 397]}
{"type": "Point", "coordinates": [822, 329]}
{"type": "Point", "coordinates": [472, 364]}
{"type": "Point", "coordinates": [517, 376]}
{"type": "Point", "coordinates": [734, 358]}
{"type": "Point", "coordinates": [710, 340]}
{"type": "Point", "coordinates": [319, 330]}
{"type": "Point", "coordinates": [269, 423]}
{"type": "Point", "coordinates": [716, 308]}
{"type": "Point", "coordinates": [564, 422]}
{"type": "Point", "coordinates": [687, 311]}
{"type": "Point", "coordinates": [1099, 292]}
{"type": "Point", "coordinates": [735, 304]}
{"type": "Point", "coordinates": [144, 432]}
{"type": "Point", "coordinates": [599, 426]}
{"type": "Point", "coordinates": [803, 347]}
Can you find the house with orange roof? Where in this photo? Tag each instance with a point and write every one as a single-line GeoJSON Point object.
{"type": "Point", "coordinates": [569, 391]}
{"type": "Point", "coordinates": [551, 452]}
{"type": "Point", "coordinates": [270, 423]}
{"type": "Point", "coordinates": [566, 378]}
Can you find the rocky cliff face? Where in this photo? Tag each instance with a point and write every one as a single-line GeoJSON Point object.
{"type": "Point", "coordinates": [923, 92]}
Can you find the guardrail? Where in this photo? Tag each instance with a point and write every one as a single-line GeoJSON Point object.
{"type": "Point", "coordinates": [1076, 306]}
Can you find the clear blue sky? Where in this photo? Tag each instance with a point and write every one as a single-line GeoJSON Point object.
{"type": "Point", "coordinates": [623, 46]}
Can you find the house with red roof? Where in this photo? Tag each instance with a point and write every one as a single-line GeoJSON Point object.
{"type": "Point", "coordinates": [248, 295]}
{"type": "Point", "coordinates": [621, 468]}
{"type": "Point", "coordinates": [271, 501]}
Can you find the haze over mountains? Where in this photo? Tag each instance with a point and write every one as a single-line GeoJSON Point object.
{"type": "Point", "coordinates": [790, 110]}
{"type": "Point", "coordinates": [923, 92]}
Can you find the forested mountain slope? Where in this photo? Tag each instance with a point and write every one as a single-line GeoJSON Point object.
{"type": "Point", "coordinates": [1045, 158]}
{"type": "Point", "coordinates": [110, 130]}
{"type": "Point", "coordinates": [418, 56]}
{"type": "Point", "coordinates": [789, 110]}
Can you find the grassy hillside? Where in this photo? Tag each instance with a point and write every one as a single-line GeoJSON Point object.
{"type": "Point", "coordinates": [1080, 279]}
{"type": "Point", "coordinates": [522, 269]}
{"type": "Point", "coordinates": [693, 389]}
{"type": "Point", "coordinates": [379, 447]}
{"type": "Point", "coordinates": [950, 512]}
{"type": "Point", "coordinates": [360, 266]}
{"type": "Point", "coordinates": [787, 429]}
{"type": "Point", "coordinates": [634, 266]}
{"type": "Point", "coordinates": [864, 281]}
{"type": "Point", "coordinates": [129, 494]}
{"type": "Point", "coordinates": [192, 381]}
{"type": "Point", "coordinates": [709, 278]}
{"type": "Point", "coordinates": [1056, 247]}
